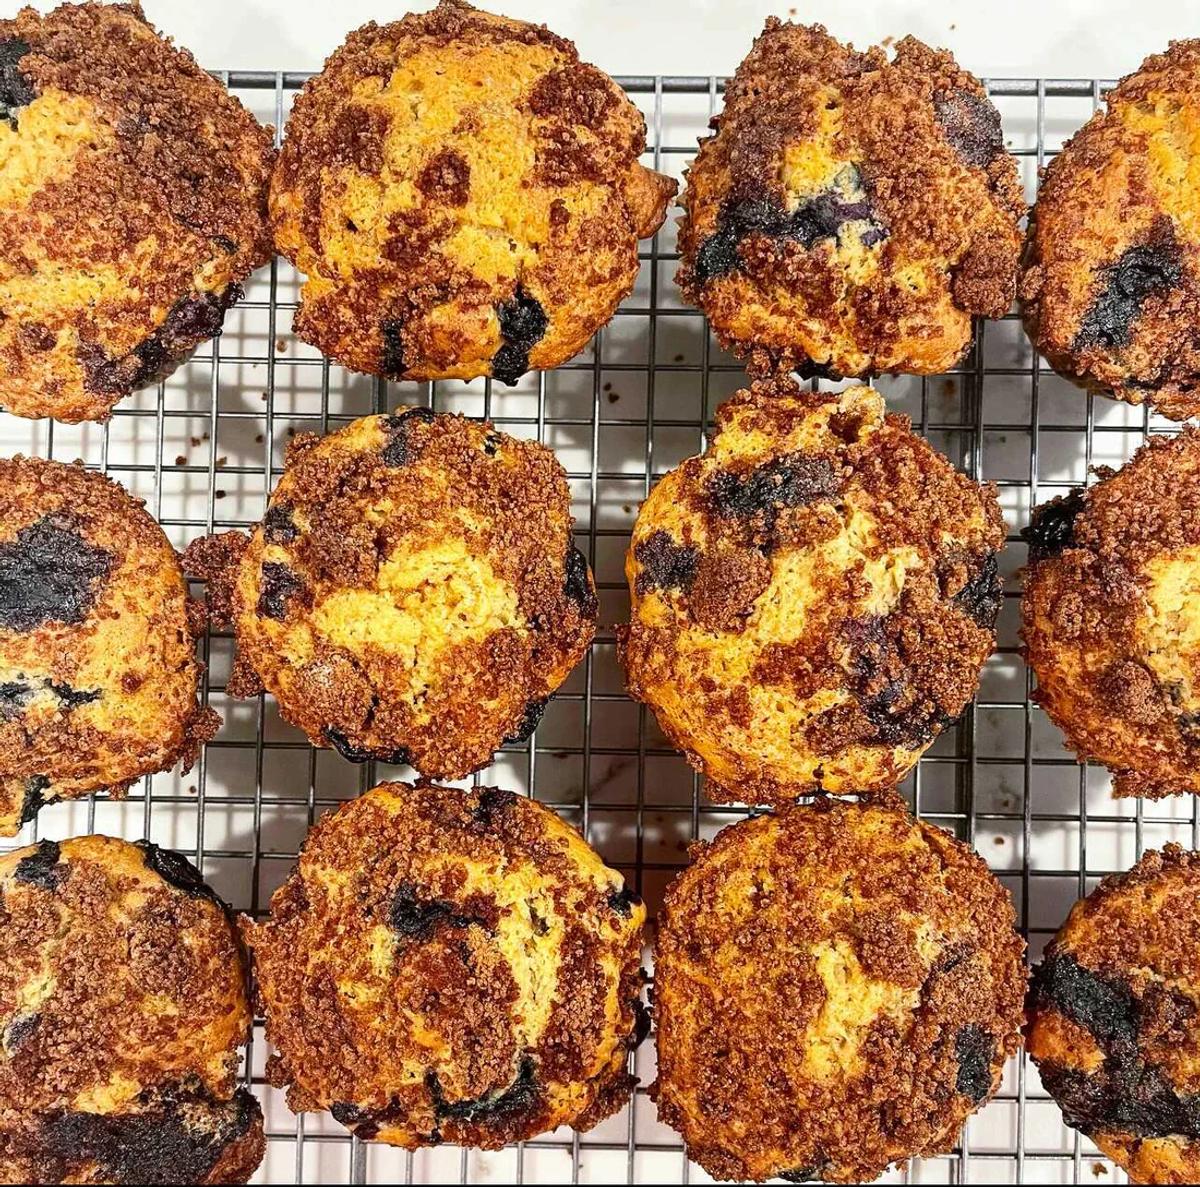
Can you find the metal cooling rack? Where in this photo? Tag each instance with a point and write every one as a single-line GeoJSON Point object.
{"type": "Point", "coordinates": [205, 448]}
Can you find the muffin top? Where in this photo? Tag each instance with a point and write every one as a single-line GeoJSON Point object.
{"type": "Point", "coordinates": [98, 669]}
{"type": "Point", "coordinates": [1113, 1017]}
{"type": "Point", "coordinates": [1112, 286]}
{"type": "Point", "coordinates": [132, 202]}
{"type": "Point", "coordinates": [464, 197]}
{"type": "Point", "coordinates": [812, 597]}
{"type": "Point", "coordinates": [413, 594]}
{"type": "Point", "coordinates": [122, 1006]}
{"type": "Point", "coordinates": [836, 987]}
{"type": "Point", "coordinates": [1111, 617]}
{"type": "Point", "coordinates": [449, 966]}
{"type": "Point", "coordinates": [850, 213]}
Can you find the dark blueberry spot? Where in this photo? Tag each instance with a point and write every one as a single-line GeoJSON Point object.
{"type": "Point", "coordinates": [392, 362]}
{"type": "Point", "coordinates": [362, 1121]}
{"type": "Point", "coordinates": [49, 573]}
{"type": "Point", "coordinates": [15, 90]}
{"type": "Point", "coordinates": [280, 584]}
{"type": "Point", "coordinates": [982, 596]}
{"type": "Point", "coordinates": [663, 564]}
{"type": "Point", "coordinates": [641, 1023]}
{"type": "Point", "coordinates": [519, 1097]}
{"type": "Point", "coordinates": [1125, 287]}
{"type": "Point", "coordinates": [1052, 526]}
{"type": "Point", "coordinates": [624, 900]}
{"type": "Point", "coordinates": [72, 698]}
{"type": "Point", "coordinates": [491, 444]}
{"type": "Point", "coordinates": [529, 722]}
{"type": "Point", "coordinates": [226, 244]}
{"type": "Point", "coordinates": [523, 322]}
{"type": "Point", "coordinates": [972, 125]}
{"type": "Point", "coordinates": [400, 448]}
{"type": "Point", "coordinates": [278, 525]}
{"type": "Point", "coordinates": [192, 320]}
{"type": "Point", "coordinates": [174, 868]}
{"type": "Point", "coordinates": [974, 1049]}
{"type": "Point", "coordinates": [810, 370]}
{"type": "Point", "coordinates": [576, 586]}
{"type": "Point", "coordinates": [19, 1029]}
{"type": "Point", "coordinates": [718, 255]}
{"type": "Point", "coordinates": [791, 481]}
{"type": "Point", "coordinates": [42, 867]}
{"type": "Point", "coordinates": [180, 1141]}
{"type": "Point", "coordinates": [1104, 1006]}
{"type": "Point", "coordinates": [14, 694]}
{"type": "Point", "coordinates": [35, 797]}
{"type": "Point", "coordinates": [419, 919]}
{"type": "Point", "coordinates": [351, 753]}
{"type": "Point", "coordinates": [492, 801]}
{"type": "Point", "coordinates": [799, 1174]}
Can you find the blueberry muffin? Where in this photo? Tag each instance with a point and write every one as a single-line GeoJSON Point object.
{"type": "Point", "coordinates": [98, 669]}
{"type": "Point", "coordinates": [449, 966]}
{"type": "Point", "coordinates": [413, 594]}
{"type": "Point", "coordinates": [133, 199]}
{"type": "Point", "coordinates": [850, 213]}
{"type": "Point", "coordinates": [869, 982]}
{"type": "Point", "coordinates": [1114, 1018]}
{"type": "Point", "coordinates": [464, 197]}
{"type": "Point", "coordinates": [1111, 289]}
{"type": "Point", "coordinates": [812, 597]}
{"type": "Point", "coordinates": [1111, 618]}
{"type": "Point", "coordinates": [122, 1007]}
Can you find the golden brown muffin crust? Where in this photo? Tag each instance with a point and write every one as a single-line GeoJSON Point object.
{"type": "Point", "coordinates": [1111, 289]}
{"type": "Point", "coordinates": [464, 196]}
{"type": "Point", "coordinates": [98, 669]}
{"type": "Point", "coordinates": [836, 988]}
{"type": "Point", "coordinates": [1113, 1017]}
{"type": "Point", "coordinates": [1111, 618]}
{"type": "Point", "coordinates": [122, 1006]}
{"type": "Point", "coordinates": [850, 213]}
{"type": "Point", "coordinates": [812, 597]}
{"type": "Point", "coordinates": [450, 966]}
{"type": "Point", "coordinates": [133, 194]}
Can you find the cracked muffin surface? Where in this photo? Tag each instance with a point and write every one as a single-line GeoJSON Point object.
{"type": "Point", "coordinates": [850, 214]}
{"type": "Point", "coordinates": [812, 597]}
{"type": "Point", "coordinates": [122, 1009]}
{"type": "Point", "coordinates": [868, 981]}
{"type": "Point", "coordinates": [1114, 1018]}
{"type": "Point", "coordinates": [132, 203]}
{"type": "Point", "coordinates": [451, 966]}
{"type": "Point", "coordinates": [1111, 289]}
{"type": "Point", "coordinates": [98, 668]}
{"type": "Point", "coordinates": [413, 594]}
{"type": "Point", "coordinates": [1111, 618]}
{"type": "Point", "coordinates": [464, 197]}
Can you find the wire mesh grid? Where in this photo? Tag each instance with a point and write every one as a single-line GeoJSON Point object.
{"type": "Point", "coordinates": [205, 448]}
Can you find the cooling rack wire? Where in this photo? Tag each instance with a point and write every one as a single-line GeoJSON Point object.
{"type": "Point", "coordinates": [205, 448]}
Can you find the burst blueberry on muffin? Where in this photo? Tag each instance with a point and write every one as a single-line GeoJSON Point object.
{"type": "Point", "coordinates": [133, 199]}
{"type": "Point", "coordinates": [98, 669]}
{"type": "Point", "coordinates": [836, 989]}
{"type": "Point", "coordinates": [1113, 1018]}
{"type": "Point", "coordinates": [449, 966]}
{"type": "Point", "coordinates": [812, 597]}
{"type": "Point", "coordinates": [464, 197]}
{"type": "Point", "coordinates": [122, 1008]}
{"type": "Point", "coordinates": [1111, 618]}
{"type": "Point", "coordinates": [413, 594]}
{"type": "Point", "coordinates": [850, 214]}
{"type": "Point", "coordinates": [1112, 286]}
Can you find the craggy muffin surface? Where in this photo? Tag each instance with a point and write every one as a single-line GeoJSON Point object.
{"type": "Point", "coordinates": [414, 593]}
{"type": "Point", "coordinates": [850, 213]}
{"type": "Point", "coordinates": [98, 670]}
{"type": "Point", "coordinates": [867, 983]}
{"type": "Point", "coordinates": [1111, 618]}
{"type": "Point", "coordinates": [464, 197]}
{"type": "Point", "coordinates": [812, 597]}
{"type": "Point", "coordinates": [132, 202]}
{"type": "Point", "coordinates": [450, 966]}
{"type": "Point", "coordinates": [1114, 1018]}
{"type": "Point", "coordinates": [122, 1007]}
{"type": "Point", "coordinates": [1112, 286]}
